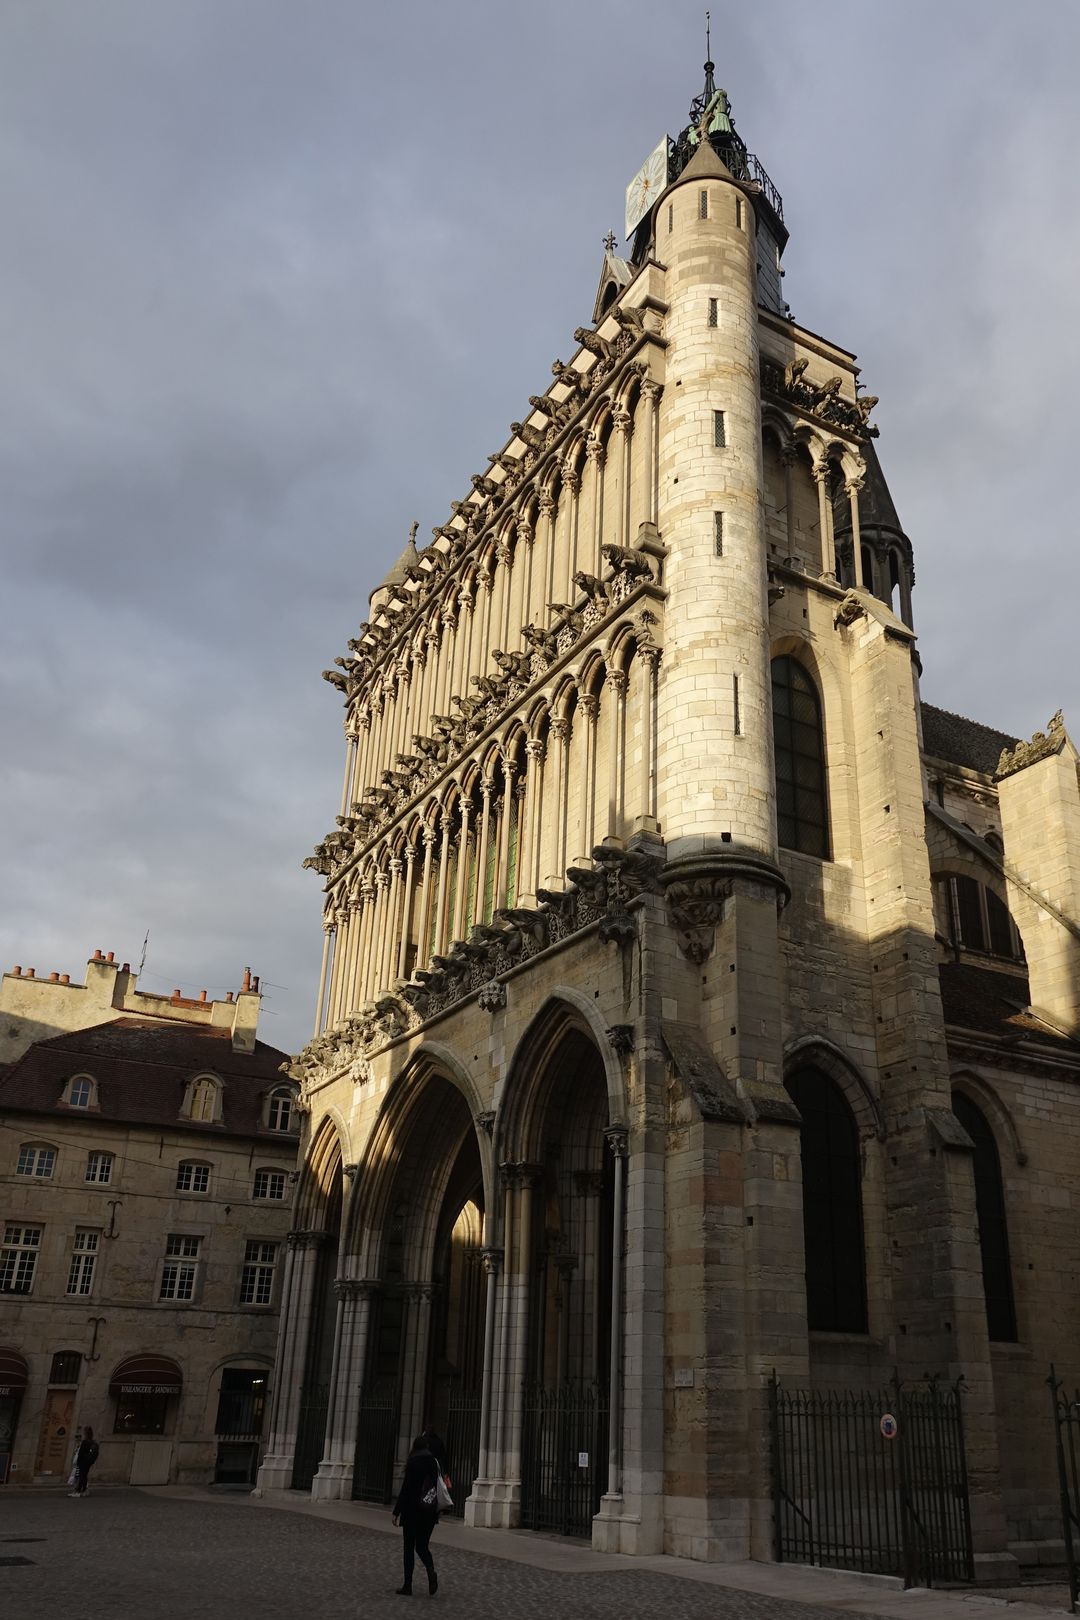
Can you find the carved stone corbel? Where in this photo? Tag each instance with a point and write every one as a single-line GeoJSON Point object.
{"type": "Point", "coordinates": [695, 905]}
{"type": "Point", "coordinates": [492, 996]}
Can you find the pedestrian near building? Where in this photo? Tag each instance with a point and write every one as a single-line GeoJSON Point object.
{"type": "Point", "coordinates": [437, 1446]}
{"type": "Point", "coordinates": [417, 1512]}
{"type": "Point", "coordinates": [85, 1458]}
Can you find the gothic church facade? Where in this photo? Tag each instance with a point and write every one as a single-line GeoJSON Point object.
{"type": "Point", "coordinates": [696, 1003]}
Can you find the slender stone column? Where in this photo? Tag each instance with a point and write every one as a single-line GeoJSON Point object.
{"type": "Point", "coordinates": [350, 751]}
{"type": "Point", "coordinates": [487, 788]}
{"type": "Point", "coordinates": [342, 1314]}
{"type": "Point", "coordinates": [334, 1478]}
{"type": "Point", "coordinates": [355, 930]}
{"type": "Point", "coordinates": [414, 1368]}
{"type": "Point", "coordinates": [508, 1179]}
{"type": "Point", "coordinates": [529, 1177]}
{"type": "Point", "coordinates": [618, 1143]}
{"type": "Point", "coordinates": [367, 927]}
{"type": "Point", "coordinates": [339, 988]}
{"type": "Point", "coordinates": [549, 515]}
{"type": "Point", "coordinates": [328, 929]}
{"type": "Point", "coordinates": [523, 568]}
{"type": "Point", "coordinates": [461, 897]}
{"type": "Point", "coordinates": [853, 486]}
{"type": "Point", "coordinates": [290, 1365]}
{"type": "Point", "coordinates": [502, 873]}
{"type": "Point", "coordinates": [406, 911]}
{"type": "Point", "coordinates": [393, 924]}
{"type": "Point", "coordinates": [560, 730]}
{"type": "Point", "coordinates": [529, 837]}
{"type": "Point", "coordinates": [572, 484]}
{"type": "Point", "coordinates": [595, 458]}
{"type": "Point", "coordinates": [355, 1368]}
{"type": "Point", "coordinates": [616, 680]}
{"type": "Point", "coordinates": [623, 423]}
{"type": "Point", "coordinates": [651, 392]}
{"type": "Point", "coordinates": [491, 1260]}
{"type": "Point", "coordinates": [828, 551]}
{"type": "Point", "coordinates": [444, 877]}
{"type": "Point", "coordinates": [646, 821]}
{"type": "Point", "coordinates": [589, 705]}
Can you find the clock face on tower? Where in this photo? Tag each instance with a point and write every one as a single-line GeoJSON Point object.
{"type": "Point", "coordinates": [646, 186]}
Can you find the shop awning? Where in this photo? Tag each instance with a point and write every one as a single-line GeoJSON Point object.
{"type": "Point", "coordinates": [146, 1375]}
{"type": "Point", "coordinates": [14, 1373]}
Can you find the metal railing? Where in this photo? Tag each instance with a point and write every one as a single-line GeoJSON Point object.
{"type": "Point", "coordinates": [310, 1434]}
{"type": "Point", "coordinates": [376, 1440]}
{"type": "Point", "coordinates": [1067, 1443]}
{"type": "Point", "coordinates": [463, 1442]}
{"type": "Point", "coordinates": [564, 1457]}
{"type": "Point", "coordinates": [873, 1480]}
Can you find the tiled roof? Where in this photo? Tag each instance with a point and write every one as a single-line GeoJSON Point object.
{"type": "Point", "coordinates": [963, 742]}
{"type": "Point", "coordinates": [142, 1068]}
{"type": "Point", "coordinates": [992, 1003]}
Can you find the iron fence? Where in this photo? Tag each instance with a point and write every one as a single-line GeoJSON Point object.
{"type": "Point", "coordinates": [310, 1434]}
{"type": "Point", "coordinates": [1067, 1442]}
{"type": "Point", "coordinates": [462, 1442]}
{"type": "Point", "coordinates": [873, 1480]}
{"type": "Point", "coordinates": [376, 1440]}
{"type": "Point", "coordinates": [564, 1457]}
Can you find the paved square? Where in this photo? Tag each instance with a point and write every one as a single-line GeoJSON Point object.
{"type": "Point", "coordinates": [129, 1555]}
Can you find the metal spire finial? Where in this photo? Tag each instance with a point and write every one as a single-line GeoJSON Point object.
{"type": "Point", "coordinates": [710, 82]}
{"type": "Point", "coordinates": [708, 37]}
{"type": "Point", "coordinates": [610, 241]}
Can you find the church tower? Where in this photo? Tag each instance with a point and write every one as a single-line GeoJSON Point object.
{"type": "Point", "coordinates": [629, 1092]}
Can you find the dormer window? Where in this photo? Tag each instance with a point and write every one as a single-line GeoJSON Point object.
{"type": "Point", "coordinates": [80, 1091]}
{"type": "Point", "coordinates": [203, 1100]}
{"type": "Point", "coordinates": [280, 1111]}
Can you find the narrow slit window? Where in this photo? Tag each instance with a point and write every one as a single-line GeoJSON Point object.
{"type": "Point", "coordinates": [736, 707]}
{"type": "Point", "coordinates": [738, 214]}
{"type": "Point", "coordinates": [719, 430]}
{"type": "Point", "coordinates": [703, 204]}
{"type": "Point", "coordinates": [712, 312]}
{"type": "Point", "coordinates": [670, 215]}
{"type": "Point", "coordinates": [718, 533]}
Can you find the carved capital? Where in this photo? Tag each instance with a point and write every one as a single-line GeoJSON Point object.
{"type": "Point", "coordinates": [491, 1260]}
{"type": "Point", "coordinates": [492, 996]}
{"type": "Point", "coordinates": [546, 503]}
{"type": "Point", "coordinates": [534, 750]}
{"type": "Point", "coordinates": [617, 1138]}
{"type": "Point", "coordinates": [560, 728]}
{"type": "Point", "coordinates": [651, 390]}
{"type": "Point", "coordinates": [695, 905]}
{"type": "Point", "coordinates": [486, 1121]}
{"type": "Point", "coordinates": [621, 1037]}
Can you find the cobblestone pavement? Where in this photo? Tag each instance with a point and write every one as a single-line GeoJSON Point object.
{"type": "Point", "coordinates": [128, 1555]}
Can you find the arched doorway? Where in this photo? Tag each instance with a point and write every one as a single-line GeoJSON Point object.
{"type": "Point", "coordinates": [423, 1217]}
{"type": "Point", "coordinates": [565, 1218]}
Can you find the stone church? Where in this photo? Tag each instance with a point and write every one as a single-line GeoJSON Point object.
{"type": "Point", "coordinates": [699, 1008]}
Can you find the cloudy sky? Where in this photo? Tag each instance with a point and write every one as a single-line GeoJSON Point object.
{"type": "Point", "coordinates": [278, 275]}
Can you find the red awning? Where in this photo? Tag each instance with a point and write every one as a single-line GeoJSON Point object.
{"type": "Point", "coordinates": [14, 1373]}
{"type": "Point", "coordinates": [146, 1375]}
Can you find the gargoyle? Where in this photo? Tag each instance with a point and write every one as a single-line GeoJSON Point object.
{"type": "Point", "coordinates": [594, 342]}
{"type": "Point", "coordinates": [622, 560]}
{"type": "Point", "coordinates": [485, 485]}
{"type": "Point", "coordinates": [562, 904]}
{"type": "Point", "coordinates": [631, 320]}
{"type": "Point", "coordinates": [793, 372]}
{"type": "Point", "coordinates": [594, 588]}
{"type": "Point", "coordinates": [574, 380]}
{"type": "Point", "coordinates": [529, 435]}
{"type": "Point", "coordinates": [570, 616]}
{"type": "Point", "coordinates": [864, 405]}
{"type": "Point", "coordinates": [593, 885]}
{"type": "Point", "coordinates": [533, 923]}
{"type": "Point", "coordinates": [471, 708]}
{"type": "Point", "coordinates": [493, 691]}
{"type": "Point", "coordinates": [825, 392]}
{"type": "Point", "coordinates": [515, 666]}
{"type": "Point", "coordinates": [336, 678]}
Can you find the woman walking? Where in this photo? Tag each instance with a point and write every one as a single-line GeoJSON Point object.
{"type": "Point", "coordinates": [417, 1512]}
{"type": "Point", "coordinates": [85, 1458]}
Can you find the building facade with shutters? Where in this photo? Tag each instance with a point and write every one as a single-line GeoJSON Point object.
{"type": "Point", "coordinates": [147, 1171]}
{"type": "Point", "coordinates": [697, 1004]}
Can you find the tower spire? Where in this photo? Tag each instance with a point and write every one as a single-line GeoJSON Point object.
{"type": "Point", "coordinates": [710, 65]}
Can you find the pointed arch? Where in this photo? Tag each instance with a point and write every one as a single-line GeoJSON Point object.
{"type": "Point", "coordinates": [818, 1052]}
{"type": "Point", "coordinates": [522, 1095]}
{"type": "Point", "coordinates": [322, 1172]}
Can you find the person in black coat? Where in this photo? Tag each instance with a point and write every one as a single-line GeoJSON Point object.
{"type": "Point", "coordinates": [417, 1515]}
{"type": "Point", "coordinates": [85, 1458]}
{"type": "Point", "coordinates": [437, 1447]}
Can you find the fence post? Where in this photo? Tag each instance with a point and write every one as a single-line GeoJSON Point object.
{"type": "Point", "coordinates": [1061, 1417]}
{"type": "Point", "coordinates": [965, 1498]}
{"type": "Point", "coordinates": [774, 1453]}
{"type": "Point", "coordinates": [907, 1537]}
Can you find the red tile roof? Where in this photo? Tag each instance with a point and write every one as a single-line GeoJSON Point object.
{"type": "Point", "coordinates": [142, 1068]}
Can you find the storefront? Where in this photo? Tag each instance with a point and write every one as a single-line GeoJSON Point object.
{"type": "Point", "coordinates": [147, 1392]}
{"type": "Point", "coordinates": [14, 1376]}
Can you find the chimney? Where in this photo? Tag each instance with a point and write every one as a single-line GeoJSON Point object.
{"type": "Point", "coordinates": [65, 978]}
{"type": "Point", "coordinates": [246, 986]}
{"type": "Point", "coordinates": [1039, 798]}
{"type": "Point", "coordinates": [54, 978]}
{"type": "Point", "coordinates": [202, 995]}
{"type": "Point", "coordinates": [30, 972]}
{"type": "Point", "coordinates": [109, 956]}
{"type": "Point", "coordinates": [96, 957]}
{"type": "Point", "coordinates": [17, 971]}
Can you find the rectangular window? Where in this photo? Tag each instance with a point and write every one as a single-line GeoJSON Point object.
{"type": "Point", "coordinates": [703, 204]}
{"type": "Point", "coordinates": [181, 1265]}
{"type": "Point", "coordinates": [269, 1184]}
{"type": "Point", "coordinates": [712, 312]}
{"type": "Point", "coordinates": [39, 1162]}
{"type": "Point", "coordinates": [83, 1261]}
{"type": "Point", "coordinates": [735, 705]}
{"type": "Point", "coordinates": [738, 213]}
{"type": "Point", "coordinates": [99, 1168]}
{"type": "Point", "coordinates": [193, 1178]}
{"type": "Point", "coordinates": [279, 1115]}
{"type": "Point", "coordinates": [719, 437]}
{"type": "Point", "coordinates": [718, 533]}
{"type": "Point", "coordinates": [257, 1277]}
{"type": "Point", "coordinates": [66, 1367]}
{"type": "Point", "coordinates": [18, 1258]}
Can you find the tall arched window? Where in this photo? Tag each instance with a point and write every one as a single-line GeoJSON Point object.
{"type": "Point", "coordinates": [832, 1205]}
{"type": "Point", "coordinates": [990, 1214]}
{"type": "Point", "coordinates": [798, 739]}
